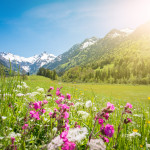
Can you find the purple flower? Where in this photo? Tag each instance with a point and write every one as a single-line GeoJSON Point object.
{"type": "Point", "coordinates": [100, 121]}
{"type": "Point", "coordinates": [110, 106]}
{"type": "Point", "coordinates": [109, 130]}
{"type": "Point", "coordinates": [128, 105]}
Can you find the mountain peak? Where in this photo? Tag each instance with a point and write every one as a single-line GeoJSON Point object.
{"type": "Point", "coordinates": [127, 30]}
{"type": "Point", "coordinates": [89, 42]}
{"type": "Point", "coordinates": [117, 33]}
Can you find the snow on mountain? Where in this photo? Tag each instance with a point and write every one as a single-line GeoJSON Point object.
{"type": "Point", "coordinates": [119, 33]}
{"type": "Point", "coordinates": [18, 59]}
{"type": "Point", "coordinates": [114, 35]}
{"type": "Point", "coordinates": [127, 30]}
{"type": "Point", "coordinates": [88, 42]}
{"type": "Point", "coordinates": [27, 64]}
{"type": "Point", "coordinates": [26, 68]}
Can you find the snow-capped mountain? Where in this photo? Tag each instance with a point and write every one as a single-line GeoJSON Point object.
{"type": "Point", "coordinates": [89, 42]}
{"type": "Point", "coordinates": [127, 30]}
{"type": "Point", "coordinates": [74, 51]}
{"type": "Point", "coordinates": [30, 64]}
{"type": "Point", "coordinates": [119, 33]}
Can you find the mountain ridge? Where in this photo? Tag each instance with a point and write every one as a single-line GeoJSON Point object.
{"type": "Point", "coordinates": [26, 64]}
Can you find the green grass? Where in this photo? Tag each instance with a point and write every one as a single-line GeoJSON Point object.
{"type": "Point", "coordinates": [16, 108]}
{"type": "Point", "coordinates": [130, 93]}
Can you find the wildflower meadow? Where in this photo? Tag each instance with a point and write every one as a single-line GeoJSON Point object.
{"type": "Point", "coordinates": [40, 114]}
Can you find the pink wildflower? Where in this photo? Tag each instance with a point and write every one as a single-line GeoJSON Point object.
{"type": "Point", "coordinates": [63, 135]}
{"type": "Point", "coordinates": [102, 128]}
{"type": "Point", "coordinates": [25, 126]}
{"type": "Point", "coordinates": [100, 121]}
{"type": "Point", "coordinates": [106, 140]}
{"type": "Point", "coordinates": [37, 105]}
{"type": "Point", "coordinates": [66, 115]}
{"type": "Point", "coordinates": [57, 92]}
{"type": "Point", "coordinates": [55, 109]}
{"type": "Point", "coordinates": [12, 140]}
{"type": "Point", "coordinates": [68, 146]}
{"type": "Point", "coordinates": [45, 101]}
{"type": "Point", "coordinates": [109, 130]}
{"type": "Point", "coordinates": [50, 114]}
{"type": "Point", "coordinates": [129, 119]}
{"type": "Point", "coordinates": [43, 111]}
{"type": "Point", "coordinates": [34, 114]}
{"type": "Point", "coordinates": [68, 96]}
{"type": "Point", "coordinates": [62, 96]}
{"type": "Point", "coordinates": [110, 106]}
{"type": "Point", "coordinates": [59, 100]}
{"type": "Point", "coordinates": [76, 125]}
{"type": "Point", "coordinates": [128, 105]}
{"type": "Point", "coordinates": [52, 88]}
{"type": "Point", "coordinates": [66, 120]}
{"type": "Point", "coordinates": [66, 126]}
{"type": "Point", "coordinates": [106, 116]}
{"type": "Point", "coordinates": [64, 106]}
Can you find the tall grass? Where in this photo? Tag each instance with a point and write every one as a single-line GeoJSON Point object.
{"type": "Point", "coordinates": [14, 110]}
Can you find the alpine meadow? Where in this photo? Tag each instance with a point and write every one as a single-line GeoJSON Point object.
{"type": "Point", "coordinates": [93, 96]}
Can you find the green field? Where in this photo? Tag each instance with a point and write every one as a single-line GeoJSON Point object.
{"type": "Point", "coordinates": [14, 113]}
{"type": "Point", "coordinates": [128, 93]}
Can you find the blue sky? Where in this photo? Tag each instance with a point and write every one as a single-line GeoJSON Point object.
{"type": "Point", "coordinates": [29, 27]}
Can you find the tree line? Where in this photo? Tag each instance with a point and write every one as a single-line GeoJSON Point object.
{"type": "Point", "coordinates": [47, 73]}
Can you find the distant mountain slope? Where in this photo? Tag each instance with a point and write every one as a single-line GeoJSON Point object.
{"type": "Point", "coordinates": [88, 51]}
{"type": "Point", "coordinates": [126, 61]}
{"type": "Point", "coordinates": [63, 61]}
{"type": "Point", "coordinates": [30, 64]}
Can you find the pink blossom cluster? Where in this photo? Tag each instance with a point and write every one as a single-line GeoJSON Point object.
{"type": "Point", "coordinates": [67, 145]}
{"type": "Point", "coordinates": [64, 106]}
{"type": "Point", "coordinates": [13, 146]}
{"type": "Point", "coordinates": [105, 130]}
{"type": "Point", "coordinates": [49, 90]}
{"type": "Point", "coordinates": [25, 126]}
{"type": "Point", "coordinates": [126, 110]}
{"type": "Point", "coordinates": [62, 115]}
{"type": "Point", "coordinates": [38, 109]}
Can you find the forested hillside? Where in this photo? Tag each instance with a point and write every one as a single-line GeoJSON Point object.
{"type": "Point", "coordinates": [124, 62]}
